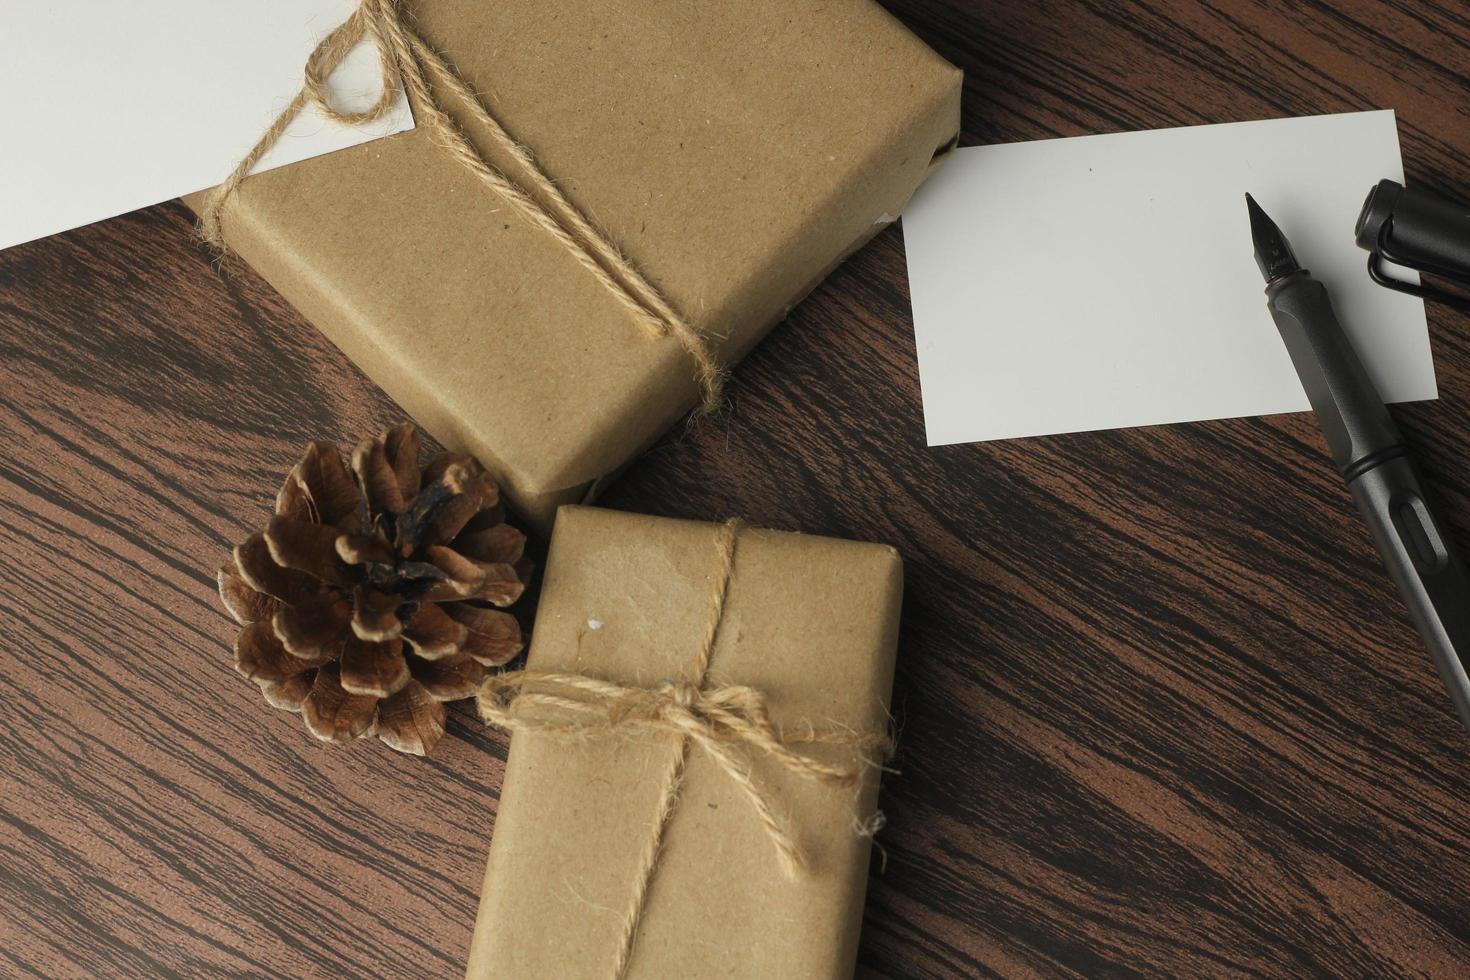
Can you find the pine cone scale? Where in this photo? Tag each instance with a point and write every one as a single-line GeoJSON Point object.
{"type": "Point", "coordinates": [499, 544]}
{"type": "Point", "coordinates": [494, 637]}
{"type": "Point", "coordinates": [376, 669]}
{"type": "Point", "coordinates": [360, 549]}
{"type": "Point", "coordinates": [313, 630]}
{"type": "Point", "coordinates": [333, 713]}
{"type": "Point", "coordinates": [411, 721]}
{"type": "Point", "coordinates": [259, 571]}
{"type": "Point", "coordinates": [260, 656]}
{"type": "Point", "coordinates": [377, 478]}
{"type": "Point", "coordinates": [329, 485]}
{"type": "Point", "coordinates": [434, 634]}
{"type": "Point", "coordinates": [294, 501]}
{"type": "Point", "coordinates": [244, 603]}
{"type": "Point", "coordinates": [306, 547]}
{"type": "Point", "coordinates": [402, 446]}
{"type": "Point", "coordinates": [502, 585]}
{"type": "Point", "coordinates": [449, 679]}
{"type": "Point", "coordinates": [288, 694]}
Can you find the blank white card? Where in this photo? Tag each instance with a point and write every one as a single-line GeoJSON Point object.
{"type": "Point", "coordinates": [112, 106]}
{"type": "Point", "coordinates": [1108, 281]}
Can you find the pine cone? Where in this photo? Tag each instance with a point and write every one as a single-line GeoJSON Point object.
{"type": "Point", "coordinates": [366, 602]}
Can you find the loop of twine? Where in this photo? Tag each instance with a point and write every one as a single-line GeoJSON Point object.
{"type": "Point", "coordinates": [713, 719]}
{"type": "Point", "coordinates": [719, 720]}
{"type": "Point", "coordinates": [404, 55]}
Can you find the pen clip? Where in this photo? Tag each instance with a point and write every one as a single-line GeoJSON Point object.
{"type": "Point", "coordinates": [1382, 253]}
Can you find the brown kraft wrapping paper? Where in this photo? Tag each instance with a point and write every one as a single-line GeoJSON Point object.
{"type": "Point", "coordinates": [733, 152]}
{"type": "Point", "coordinates": [810, 622]}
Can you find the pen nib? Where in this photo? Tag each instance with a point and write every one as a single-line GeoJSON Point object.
{"type": "Point", "coordinates": [1273, 251]}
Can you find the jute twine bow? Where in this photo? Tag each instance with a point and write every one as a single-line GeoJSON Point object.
{"type": "Point", "coordinates": [726, 722]}
{"type": "Point", "coordinates": [404, 54]}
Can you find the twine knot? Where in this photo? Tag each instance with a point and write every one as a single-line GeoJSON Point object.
{"type": "Point", "coordinates": [406, 59]}
{"type": "Point", "coordinates": [682, 694]}
{"type": "Point", "coordinates": [718, 720]}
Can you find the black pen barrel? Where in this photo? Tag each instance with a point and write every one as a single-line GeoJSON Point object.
{"type": "Point", "coordinates": [1370, 453]}
{"type": "Point", "coordinates": [1424, 565]}
{"type": "Point", "coordinates": [1352, 415]}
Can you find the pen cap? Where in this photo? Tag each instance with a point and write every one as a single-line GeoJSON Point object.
{"type": "Point", "coordinates": [1417, 229]}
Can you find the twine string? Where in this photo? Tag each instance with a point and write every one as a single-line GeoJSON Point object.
{"type": "Point", "coordinates": [726, 722]}
{"type": "Point", "coordinates": [405, 58]}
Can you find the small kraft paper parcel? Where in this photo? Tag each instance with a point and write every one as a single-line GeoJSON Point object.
{"type": "Point", "coordinates": [603, 204]}
{"type": "Point", "coordinates": [697, 741]}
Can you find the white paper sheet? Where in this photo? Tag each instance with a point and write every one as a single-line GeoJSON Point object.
{"type": "Point", "coordinates": [1108, 281]}
{"type": "Point", "coordinates": [112, 106]}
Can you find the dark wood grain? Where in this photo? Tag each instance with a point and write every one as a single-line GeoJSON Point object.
{"type": "Point", "coordinates": [1161, 711]}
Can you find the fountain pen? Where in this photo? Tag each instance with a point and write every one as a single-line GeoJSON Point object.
{"type": "Point", "coordinates": [1371, 456]}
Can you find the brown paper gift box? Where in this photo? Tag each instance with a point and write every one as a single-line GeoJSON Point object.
{"type": "Point", "coordinates": [811, 622]}
{"type": "Point", "coordinates": [734, 152]}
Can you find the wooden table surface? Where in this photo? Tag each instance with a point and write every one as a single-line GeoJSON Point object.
{"type": "Point", "coordinates": [1161, 711]}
